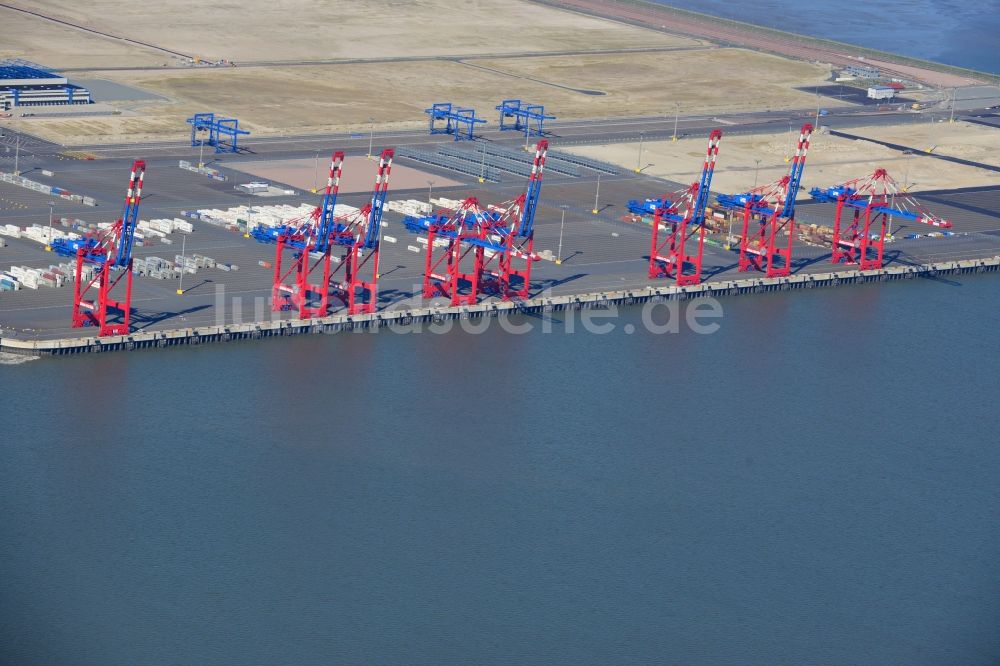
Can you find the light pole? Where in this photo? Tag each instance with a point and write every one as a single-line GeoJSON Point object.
{"type": "Point", "coordinates": [788, 147]}
{"type": "Point", "coordinates": [562, 222]}
{"type": "Point", "coordinates": [250, 212]}
{"type": "Point", "coordinates": [201, 153]}
{"type": "Point", "coordinates": [371, 136]}
{"type": "Point", "coordinates": [48, 245]}
{"type": "Point", "coordinates": [638, 162]}
{"type": "Point", "coordinates": [430, 190]}
{"type": "Point", "coordinates": [17, 153]}
{"type": "Point", "coordinates": [756, 170]}
{"type": "Point", "coordinates": [816, 123]}
{"type": "Point", "coordinates": [482, 167]}
{"type": "Point", "coordinates": [729, 237]}
{"type": "Point", "coordinates": [677, 113]}
{"type": "Point", "coordinates": [597, 193]}
{"type": "Point", "coordinates": [316, 174]}
{"type": "Point", "coordinates": [954, 91]}
{"type": "Point", "coordinates": [180, 284]}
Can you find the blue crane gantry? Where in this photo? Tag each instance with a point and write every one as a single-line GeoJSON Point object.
{"type": "Point", "coordinates": [453, 117]}
{"type": "Point", "coordinates": [523, 114]}
{"type": "Point", "coordinates": [223, 133]}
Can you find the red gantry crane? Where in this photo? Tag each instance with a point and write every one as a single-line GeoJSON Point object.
{"type": "Point", "coordinates": [458, 250]}
{"type": "Point", "coordinates": [306, 238]}
{"type": "Point", "coordinates": [360, 234]}
{"type": "Point", "coordinates": [312, 240]}
{"type": "Point", "coordinates": [677, 220]}
{"type": "Point", "coordinates": [873, 201]}
{"type": "Point", "coordinates": [475, 249]}
{"type": "Point", "coordinates": [110, 252]}
{"type": "Point", "coordinates": [768, 213]}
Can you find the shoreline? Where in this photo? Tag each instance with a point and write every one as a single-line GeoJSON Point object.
{"type": "Point", "coordinates": [403, 318]}
{"type": "Point", "coordinates": [771, 40]}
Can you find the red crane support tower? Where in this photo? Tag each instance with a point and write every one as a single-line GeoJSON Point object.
{"type": "Point", "coordinates": [360, 233]}
{"type": "Point", "coordinates": [306, 237]}
{"type": "Point", "coordinates": [772, 208]}
{"type": "Point", "coordinates": [683, 216]}
{"type": "Point", "coordinates": [111, 252]}
{"type": "Point", "coordinates": [475, 249]}
{"type": "Point", "coordinates": [452, 242]}
{"type": "Point", "coordinates": [873, 201]}
{"type": "Point", "coordinates": [519, 254]}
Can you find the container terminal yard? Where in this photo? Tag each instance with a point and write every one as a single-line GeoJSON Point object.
{"type": "Point", "coordinates": [233, 233]}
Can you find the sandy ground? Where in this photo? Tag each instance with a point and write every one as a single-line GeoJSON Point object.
{"type": "Point", "coordinates": [164, 120]}
{"type": "Point", "coordinates": [324, 98]}
{"type": "Point", "coordinates": [58, 46]}
{"type": "Point", "coordinates": [831, 160]}
{"type": "Point", "coordinates": [358, 174]}
{"type": "Point", "coordinates": [651, 82]}
{"type": "Point", "coordinates": [292, 30]}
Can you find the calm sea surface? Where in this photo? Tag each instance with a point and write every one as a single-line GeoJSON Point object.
{"type": "Point", "coordinates": [964, 34]}
{"type": "Point", "coordinates": [815, 483]}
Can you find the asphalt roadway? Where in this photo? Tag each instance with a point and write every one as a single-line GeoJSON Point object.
{"type": "Point", "coordinates": [600, 252]}
{"type": "Point", "coordinates": [559, 132]}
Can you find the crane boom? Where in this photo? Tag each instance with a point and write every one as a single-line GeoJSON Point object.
{"type": "Point", "coordinates": [882, 193]}
{"type": "Point", "coordinates": [705, 183]}
{"type": "Point", "coordinates": [527, 225]}
{"type": "Point", "coordinates": [125, 235]}
{"type": "Point", "coordinates": [678, 219]}
{"type": "Point", "coordinates": [325, 225]}
{"type": "Point", "coordinates": [378, 199]}
{"type": "Point", "coordinates": [795, 174]}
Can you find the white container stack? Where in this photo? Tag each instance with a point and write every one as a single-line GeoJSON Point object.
{"type": "Point", "coordinates": [450, 204]}
{"type": "Point", "coordinates": [412, 207]}
{"type": "Point", "coordinates": [155, 267]}
{"type": "Point", "coordinates": [56, 275]}
{"type": "Point", "coordinates": [44, 235]}
{"type": "Point", "coordinates": [266, 216]}
{"type": "Point", "coordinates": [11, 230]}
{"type": "Point", "coordinates": [160, 229]}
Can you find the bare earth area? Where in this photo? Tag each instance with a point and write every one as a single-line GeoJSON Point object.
{"type": "Point", "coordinates": [293, 30]}
{"type": "Point", "coordinates": [359, 174]}
{"type": "Point", "coordinates": [831, 160]}
{"type": "Point", "coordinates": [323, 98]}
{"type": "Point", "coordinates": [59, 46]}
{"type": "Point", "coordinates": [651, 83]}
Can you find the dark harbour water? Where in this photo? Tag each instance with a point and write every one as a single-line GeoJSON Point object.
{"type": "Point", "coordinates": [815, 483]}
{"type": "Point", "coordinates": [964, 34]}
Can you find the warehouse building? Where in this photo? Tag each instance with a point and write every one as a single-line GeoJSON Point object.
{"type": "Point", "coordinates": [881, 92]}
{"type": "Point", "coordinates": [863, 72]}
{"type": "Point", "coordinates": [24, 83]}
